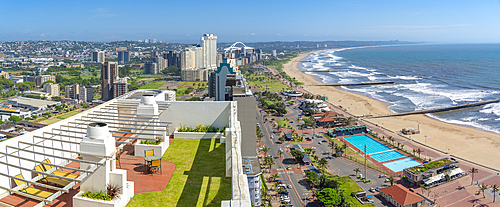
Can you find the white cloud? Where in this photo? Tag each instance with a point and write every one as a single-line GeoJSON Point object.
{"type": "Point", "coordinates": [421, 26]}
{"type": "Point", "coordinates": [102, 12]}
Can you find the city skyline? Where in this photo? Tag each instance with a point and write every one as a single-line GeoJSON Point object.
{"type": "Point", "coordinates": [258, 21]}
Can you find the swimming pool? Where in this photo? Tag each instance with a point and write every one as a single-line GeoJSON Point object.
{"type": "Point", "coordinates": [373, 146]}
{"type": "Point", "coordinates": [399, 165]}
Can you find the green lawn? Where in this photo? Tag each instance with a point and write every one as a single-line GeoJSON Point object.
{"type": "Point", "coordinates": [350, 186]}
{"type": "Point", "coordinates": [284, 124]}
{"type": "Point", "coordinates": [199, 176]}
{"type": "Point", "coordinates": [153, 85]}
{"type": "Point", "coordinates": [271, 84]}
{"type": "Point", "coordinates": [181, 89]}
{"type": "Point", "coordinates": [55, 119]}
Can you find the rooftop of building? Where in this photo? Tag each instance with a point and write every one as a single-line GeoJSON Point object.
{"type": "Point", "coordinates": [247, 111]}
{"type": "Point", "coordinates": [402, 195]}
{"type": "Point", "coordinates": [32, 101]}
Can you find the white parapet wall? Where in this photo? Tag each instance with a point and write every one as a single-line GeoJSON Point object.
{"type": "Point", "coordinates": [197, 135]}
{"type": "Point", "coordinates": [159, 149]}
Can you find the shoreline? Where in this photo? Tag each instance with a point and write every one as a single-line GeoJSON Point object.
{"type": "Point", "coordinates": [460, 140]}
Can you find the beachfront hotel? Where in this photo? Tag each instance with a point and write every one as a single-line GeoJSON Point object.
{"type": "Point", "coordinates": [110, 145]}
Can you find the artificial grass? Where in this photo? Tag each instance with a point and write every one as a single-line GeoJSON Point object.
{"type": "Point", "coordinates": [199, 176]}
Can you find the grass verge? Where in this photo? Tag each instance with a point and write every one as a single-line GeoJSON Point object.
{"type": "Point", "coordinates": [153, 85]}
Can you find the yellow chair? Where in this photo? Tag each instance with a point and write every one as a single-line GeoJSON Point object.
{"type": "Point", "coordinates": [58, 172]}
{"type": "Point", "coordinates": [30, 190]}
{"type": "Point", "coordinates": [155, 166]}
{"type": "Point", "coordinates": [148, 153]}
{"type": "Point", "coordinates": [49, 179]}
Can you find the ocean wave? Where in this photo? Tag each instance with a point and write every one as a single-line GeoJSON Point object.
{"type": "Point", "coordinates": [472, 124]}
{"type": "Point", "coordinates": [493, 108]}
{"type": "Point", "coordinates": [405, 77]}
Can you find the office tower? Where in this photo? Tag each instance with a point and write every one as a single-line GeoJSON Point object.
{"type": "Point", "coordinates": [274, 53]}
{"type": "Point", "coordinates": [150, 67]}
{"type": "Point", "coordinates": [98, 57]}
{"type": "Point", "coordinates": [153, 54]}
{"type": "Point", "coordinates": [198, 57]}
{"type": "Point", "coordinates": [86, 93]}
{"type": "Point", "coordinates": [161, 63]}
{"type": "Point", "coordinates": [123, 56]}
{"type": "Point", "coordinates": [109, 73]}
{"type": "Point", "coordinates": [152, 40]}
{"type": "Point", "coordinates": [51, 89]}
{"type": "Point", "coordinates": [118, 49]}
{"type": "Point", "coordinates": [72, 91]}
{"type": "Point", "coordinates": [173, 58]}
{"type": "Point", "coordinates": [209, 44]}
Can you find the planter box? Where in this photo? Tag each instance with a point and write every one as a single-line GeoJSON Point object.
{"type": "Point", "coordinates": [79, 201]}
{"type": "Point", "coordinates": [159, 150]}
{"type": "Point", "coordinates": [197, 135]}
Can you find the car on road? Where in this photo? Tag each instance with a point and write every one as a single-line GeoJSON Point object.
{"type": "Point", "coordinates": [308, 139]}
{"type": "Point", "coordinates": [288, 167]}
{"type": "Point", "coordinates": [313, 148]}
{"type": "Point", "coordinates": [372, 190]}
{"type": "Point", "coordinates": [324, 141]}
{"type": "Point", "coordinates": [319, 142]}
{"type": "Point", "coordinates": [377, 189]}
{"type": "Point", "coordinates": [272, 136]}
{"type": "Point", "coordinates": [289, 186]}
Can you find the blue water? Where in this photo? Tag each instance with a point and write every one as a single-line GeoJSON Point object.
{"type": "Point", "coordinates": [399, 165]}
{"type": "Point", "coordinates": [386, 156]}
{"type": "Point", "coordinates": [373, 146]}
{"type": "Point", "coordinates": [426, 76]}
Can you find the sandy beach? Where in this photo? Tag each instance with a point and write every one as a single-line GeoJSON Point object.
{"type": "Point", "coordinates": [465, 142]}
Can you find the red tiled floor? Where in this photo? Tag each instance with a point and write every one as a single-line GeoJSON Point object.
{"type": "Point", "coordinates": [136, 172]}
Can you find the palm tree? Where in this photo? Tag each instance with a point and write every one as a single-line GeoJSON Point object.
{"type": "Point", "coordinates": [269, 162]}
{"type": "Point", "coordinates": [482, 188]}
{"type": "Point", "coordinates": [473, 171]}
{"type": "Point", "coordinates": [265, 150]}
{"type": "Point", "coordinates": [280, 152]}
{"type": "Point", "coordinates": [414, 152]}
{"type": "Point", "coordinates": [332, 145]}
{"type": "Point", "coordinates": [344, 146]}
{"type": "Point", "coordinates": [274, 176]}
{"type": "Point", "coordinates": [391, 180]}
{"type": "Point", "coordinates": [399, 144]}
{"type": "Point", "coordinates": [418, 152]}
{"type": "Point", "coordinates": [402, 146]}
{"type": "Point", "coordinates": [357, 171]}
{"type": "Point", "coordinates": [322, 163]}
{"type": "Point", "coordinates": [495, 188]}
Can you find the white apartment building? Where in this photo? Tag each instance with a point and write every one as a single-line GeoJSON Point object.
{"type": "Point", "coordinates": [98, 57]}
{"type": "Point", "coordinates": [209, 44]}
{"type": "Point", "coordinates": [51, 89]}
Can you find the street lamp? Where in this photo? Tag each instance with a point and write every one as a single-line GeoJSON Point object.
{"type": "Point", "coordinates": [425, 146]}
{"type": "Point", "coordinates": [445, 192]}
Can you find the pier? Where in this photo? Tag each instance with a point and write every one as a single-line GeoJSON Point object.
{"type": "Point", "coordinates": [449, 108]}
{"type": "Point", "coordinates": [358, 84]}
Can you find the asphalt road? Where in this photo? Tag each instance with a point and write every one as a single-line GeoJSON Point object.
{"type": "Point", "coordinates": [340, 166]}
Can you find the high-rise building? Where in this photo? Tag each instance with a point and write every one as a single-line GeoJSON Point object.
{"type": "Point", "coordinates": [120, 87]}
{"type": "Point", "coordinates": [152, 40]}
{"type": "Point", "coordinates": [123, 56]}
{"type": "Point", "coordinates": [86, 94]}
{"type": "Point", "coordinates": [198, 53]}
{"type": "Point", "coordinates": [188, 59]}
{"type": "Point", "coordinates": [227, 82]}
{"type": "Point", "coordinates": [274, 53]}
{"type": "Point", "coordinates": [173, 58]}
{"type": "Point", "coordinates": [161, 63]}
{"type": "Point", "coordinates": [98, 57]}
{"type": "Point", "coordinates": [72, 91]}
{"type": "Point", "coordinates": [109, 74]}
{"type": "Point", "coordinates": [209, 44]}
{"type": "Point", "coordinates": [51, 89]}
{"type": "Point", "coordinates": [150, 67]}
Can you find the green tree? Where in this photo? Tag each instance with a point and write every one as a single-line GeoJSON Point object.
{"type": "Point", "coordinates": [14, 118]}
{"type": "Point", "coordinates": [482, 188]}
{"type": "Point", "coordinates": [329, 197]}
{"type": "Point", "coordinates": [265, 150]}
{"type": "Point", "coordinates": [495, 189]}
{"type": "Point", "coordinates": [326, 181]}
{"type": "Point", "coordinates": [473, 171]}
{"type": "Point", "coordinates": [274, 176]}
{"type": "Point", "coordinates": [322, 163]}
{"type": "Point", "coordinates": [312, 177]}
{"type": "Point", "coordinates": [195, 98]}
{"type": "Point", "coordinates": [391, 180]}
{"type": "Point", "coordinates": [269, 162]}
{"type": "Point", "coordinates": [356, 170]}
{"type": "Point", "coordinates": [56, 98]}
{"type": "Point", "coordinates": [297, 155]}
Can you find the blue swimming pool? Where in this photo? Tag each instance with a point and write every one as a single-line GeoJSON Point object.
{"type": "Point", "coordinates": [386, 156]}
{"type": "Point", "coordinates": [399, 165]}
{"type": "Point", "coordinates": [373, 146]}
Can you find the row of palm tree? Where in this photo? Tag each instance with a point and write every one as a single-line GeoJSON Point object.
{"type": "Point", "coordinates": [484, 187]}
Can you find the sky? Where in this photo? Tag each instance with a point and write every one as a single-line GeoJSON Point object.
{"type": "Point", "coordinates": [184, 21]}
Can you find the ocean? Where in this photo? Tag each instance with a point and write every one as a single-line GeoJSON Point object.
{"type": "Point", "coordinates": [426, 77]}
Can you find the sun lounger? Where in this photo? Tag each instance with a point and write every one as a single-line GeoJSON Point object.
{"type": "Point", "coordinates": [58, 172]}
{"type": "Point", "coordinates": [30, 190]}
{"type": "Point", "coordinates": [54, 180]}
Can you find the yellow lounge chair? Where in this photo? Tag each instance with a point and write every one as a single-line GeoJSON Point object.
{"type": "Point", "coordinates": [58, 172]}
{"type": "Point", "coordinates": [30, 190]}
{"type": "Point", "coordinates": [49, 179]}
{"type": "Point", "coordinates": [148, 153]}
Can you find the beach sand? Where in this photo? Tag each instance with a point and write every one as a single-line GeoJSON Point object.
{"type": "Point", "coordinates": [465, 142]}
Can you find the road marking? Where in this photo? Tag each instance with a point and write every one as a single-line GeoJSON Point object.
{"type": "Point", "coordinates": [487, 177]}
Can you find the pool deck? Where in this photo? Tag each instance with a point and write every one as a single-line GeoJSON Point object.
{"type": "Point", "coordinates": [375, 162]}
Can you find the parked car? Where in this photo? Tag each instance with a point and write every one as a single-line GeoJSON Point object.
{"type": "Point", "coordinates": [324, 141]}
{"type": "Point", "coordinates": [289, 186]}
{"type": "Point", "coordinates": [313, 148]}
{"type": "Point", "coordinates": [386, 180]}
{"type": "Point", "coordinates": [319, 142]}
{"type": "Point", "coordinates": [372, 190]}
{"type": "Point", "coordinates": [377, 189]}
{"type": "Point", "coordinates": [382, 176]}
